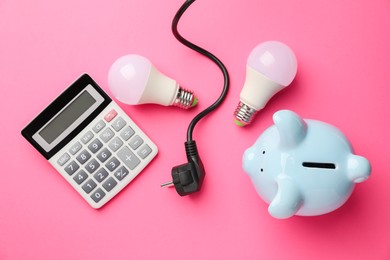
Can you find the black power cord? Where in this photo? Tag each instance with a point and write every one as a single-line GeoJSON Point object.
{"type": "Point", "coordinates": [188, 178]}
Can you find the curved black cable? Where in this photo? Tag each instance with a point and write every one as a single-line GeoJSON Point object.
{"type": "Point", "coordinates": [207, 54]}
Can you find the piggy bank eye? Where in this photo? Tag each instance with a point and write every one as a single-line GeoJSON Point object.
{"type": "Point", "coordinates": [262, 170]}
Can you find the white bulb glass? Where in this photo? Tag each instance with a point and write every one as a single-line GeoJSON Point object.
{"type": "Point", "coordinates": [271, 66]}
{"type": "Point", "coordinates": [134, 80]}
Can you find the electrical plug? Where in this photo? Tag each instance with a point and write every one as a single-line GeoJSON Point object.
{"type": "Point", "coordinates": [188, 178]}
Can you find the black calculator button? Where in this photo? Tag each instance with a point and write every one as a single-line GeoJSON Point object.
{"type": "Point", "coordinates": [95, 146]}
{"type": "Point", "coordinates": [109, 184]}
{"type": "Point", "coordinates": [121, 173]}
{"type": "Point", "coordinates": [112, 164]}
{"type": "Point", "coordinates": [98, 195]}
{"type": "Point", "coordinates": [100, 175]}
{"type": "Point", "coordinates": [72, 167]}
{"type": "Point", "coordinates": [83, 156]}
{"type": "Point", "coordinates": [89, 186]}
{"type": "Point", "coordinates": [104, 155]}
{"type": "Point", "coordinates": [92, 166]}
{"type": "Point", "coordinates": [80, 177]}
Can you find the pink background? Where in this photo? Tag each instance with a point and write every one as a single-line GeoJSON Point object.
{"type": "Point", "coordinates": [343, 51]}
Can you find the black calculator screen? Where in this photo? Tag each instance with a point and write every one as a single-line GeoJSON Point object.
{"type": "Point", "coordinates": [66, 117]}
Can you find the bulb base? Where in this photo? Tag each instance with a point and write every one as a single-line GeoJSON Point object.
{"type": "Point", "coordinates": [244, 114]}
{"type": "Point", "coordinates": [185, 99]}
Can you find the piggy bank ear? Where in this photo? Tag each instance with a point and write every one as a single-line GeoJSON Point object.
{"type": "Point", "coordinates": [249, 161]}
{"type": "Point", "coordinates": [291, 127]}
{"type": "Point", "coordinates": [359, 168]}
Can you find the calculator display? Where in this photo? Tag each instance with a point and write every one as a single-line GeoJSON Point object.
{"type": "Point", "coordinates": [69, 115]}
{"type": "Point", "coordinates": [68, 118]}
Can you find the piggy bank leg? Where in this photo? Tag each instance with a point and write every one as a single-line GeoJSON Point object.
{"type": "Point", "coordinates": [288, 199]}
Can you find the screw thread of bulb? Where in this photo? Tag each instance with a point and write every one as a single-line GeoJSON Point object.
{"type": "Point", "coordinates": [185, 99]}
{"type": "Point", "coordinates": [244, 114]}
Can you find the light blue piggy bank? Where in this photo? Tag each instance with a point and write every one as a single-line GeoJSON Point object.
{"type": "Point", "coordinates": [303, 167]}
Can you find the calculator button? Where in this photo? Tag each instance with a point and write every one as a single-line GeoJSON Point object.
{"type": "Point", "coordinates": [144, 151]}
{"type": "Point", "coordinates": [104, 155]}
{"type": "Point", "coordinates": [115, 144]}
{"type": "Point", "coordinates": [112, 164]}
{"type": "Point", "coordinates": [98, 195]}
{"type": "Point", "coordinates": [92, 166]}
{"type": "Point", "coordinates": [87, 137]}
{"type": "Point", "coordinates": [106, 135]}
{"type": "Point", "coordinates": [118, 124]}
{"type": "Point", "coordinates": [100, 175]}
{"type": "Point", "coordinates": [109, 184]}
{"type": "Point", "coordinates": [83, 156]}
{"type": "Point", "coordinates": [110, 115]}
{"type": "Point", "coordinates": [136, 142]}
{"type": "Point", "coordinates": [80, 177]}
{"type": "Point", "coordinates": [75, 148]}
{"type": "Point", "coordinates": [89, 186]}
{"type": "Point", "coordinates": [99, 126]}
{"type": "Point", "coordinates": [121, 173]}
{"type": "Point", "coordinates": [72, 167]}
{"type": "Point", "coordinates": [128, 158]}
{"type": "Point", "coordinates": [126, 133]}
{"type": "Point", "coordinates": [63, 159]}
{"type": "Point", "coordinates": [95, 145]}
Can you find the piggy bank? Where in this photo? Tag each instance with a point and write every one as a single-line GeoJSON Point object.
{"type": "Point", "coordinates": [303, 167]}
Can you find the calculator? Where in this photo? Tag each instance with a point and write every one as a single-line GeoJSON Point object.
{"type": "Point", "coordinates": [91, 141]}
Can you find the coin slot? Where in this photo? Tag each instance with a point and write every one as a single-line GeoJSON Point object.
{"type": "Point", "coordinates": [319, 165]}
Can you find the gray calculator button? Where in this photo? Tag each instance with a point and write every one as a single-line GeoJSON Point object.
{"type": "Point", "coordinates": [99, 126]}
{"type": "Point", "coordinates": [75, 148]}
{"type": "Point", "coordinates": [80, 177]}
{"type": "Point", "coordinates": [83, 156]}
{"type": "Point", "coordinates": [128, 158]}
{"type": "Point", "coordinates": [118, 124]}
{"type": "Point", "coordinates": [89, 186]}
{"type": "Point", "coordinates": [92, 166]}
{"type": "Point", "coordinates": [98, 195]}
{"type": "Point", "coordinates": [144, 151]}
{"type": "Point", "coordinates": [106, 135]}
{"type": "Point", "coordinates": [109, 184]}
{"type": "Point", "coordinates": [115, 144]}
{"type": "Point", "coordinates": [87, 137]}
{"type": "Point", "coordinates": [100, 175]}
{"type": "Point", "coordinates": [126, 133]}
{"type": "Point", "coordinates": [104, 155]}
{"type": "Point", "coordinates": [63, 159]}
{"type": "Point", "coordinates": [72, 167]}
{"type": "Point", "coordinates": [95, 145]}
{"type": "Point", "coordinates": [121, 173]}
{"type": "Point", "coordinates": [112, 164]}
{"type": "Point", "coordinates": [136, 142]}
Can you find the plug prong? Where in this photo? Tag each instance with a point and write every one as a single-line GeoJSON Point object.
{"type": "Point", "coordinates": [167, 184]}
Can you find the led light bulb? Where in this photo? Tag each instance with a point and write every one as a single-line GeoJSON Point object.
{"type": "Point", "coordinates": [134, 80]}
{"type": "Point", "coordinates": [271, 67]}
